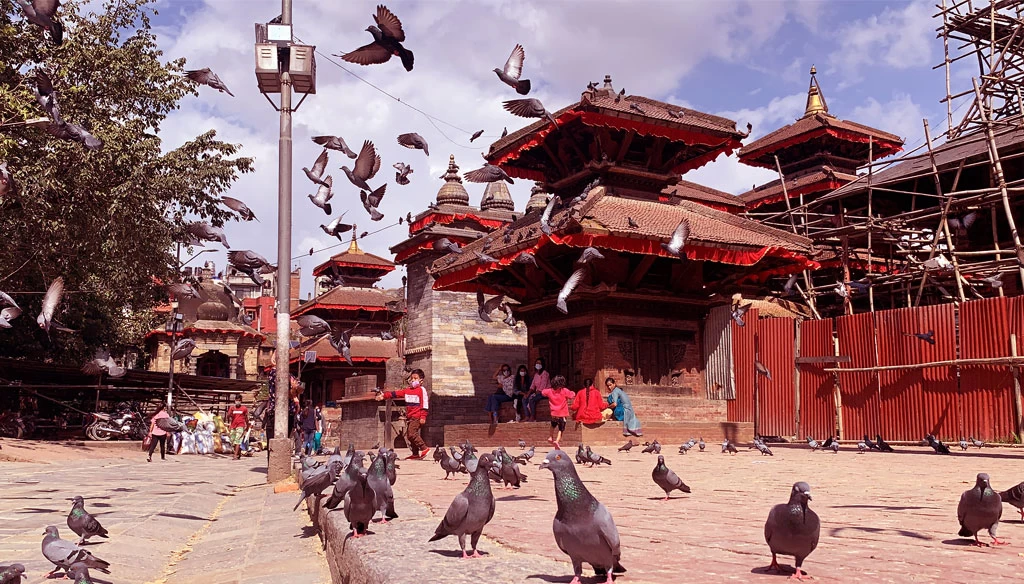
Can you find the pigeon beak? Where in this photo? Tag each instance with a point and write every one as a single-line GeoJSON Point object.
{"type": "Point", "coordinates": [544, 464]}
{"type": "Point", "coordinates": [807, 495]}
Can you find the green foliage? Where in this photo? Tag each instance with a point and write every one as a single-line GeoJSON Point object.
{"type": "Point", "coordinates": [106, 219]}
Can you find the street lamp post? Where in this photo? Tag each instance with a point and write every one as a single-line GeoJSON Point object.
{"type": "Point", "coordinates": [174, 326]}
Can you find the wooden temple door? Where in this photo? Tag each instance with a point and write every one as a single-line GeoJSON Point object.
{"type": "Point", "coordinates": [649, 361]}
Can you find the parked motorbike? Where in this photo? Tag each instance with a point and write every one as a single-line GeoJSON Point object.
{"type": "Point", "coordinates": [125, 422]}
{"type": "Point", "coordinates": [12, 425]}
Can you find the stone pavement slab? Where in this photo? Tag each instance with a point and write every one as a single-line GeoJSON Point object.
{"type": "Point", "coordinates": [184, 520]}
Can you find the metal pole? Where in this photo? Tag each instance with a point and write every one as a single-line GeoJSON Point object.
{"type": "Point", "coordinates": [284, 245]}
{"type": "Point", "coordinates": [174, 326]}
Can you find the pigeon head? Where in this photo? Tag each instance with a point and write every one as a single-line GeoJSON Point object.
{"type": "Point", "coordinates": [51, 530]}
{"type": "Point", "coordinates": [557, 461]}
{"type": "Point", "coordinates": [661, 460]}
{"type": "Point", "coordinates": [982, 483]}
{"type": "Point", "coordinates": [375, 32]}
{"type": "Point", "coordinates": [78, 500]}
{"type": "Point", "coordinates": [801, 494]}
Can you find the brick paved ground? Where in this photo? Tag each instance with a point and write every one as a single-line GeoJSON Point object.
{"type": "Point", "coordinates": [189, 519]}
{"type": "Point", "coordinates": [885, 517]}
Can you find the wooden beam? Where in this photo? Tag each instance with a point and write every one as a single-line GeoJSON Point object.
{"type": "Point", "coordinates": [827, 359]}
{"type": "Point", "coordinates": [554, 158]}
{"type": "Point", "coordinates": [624, 146]}
{"type": "Point", "coordinates": [640, 271]}
{"type": "Point", "coordinates": [656, 152]}
{"type": "Point", "coordinates": [551, 271]}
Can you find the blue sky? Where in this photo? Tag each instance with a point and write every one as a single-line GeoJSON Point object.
{"type": "Point", "coordinates": [746, 60]}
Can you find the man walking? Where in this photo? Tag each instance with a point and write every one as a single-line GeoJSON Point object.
{"type": "Point", "coordinates": [238, 416]}
{"type": "Point", "coordinates": [417, 402]}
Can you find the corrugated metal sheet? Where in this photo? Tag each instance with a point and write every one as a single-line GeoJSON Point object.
{"type": "Point", "coordinates": [860, 408]}
{"type": "Point", "coordinates": [915, 402]}
{"type": "Point", "coordinates": [741, 409]}
{"type": "Point", "coordinates": [986, 391]}
{"type": "Point", "coordinates": [718, 375]}
{"type": "Point", "coordinates": [817, 386]}
{"type": "Point", "coordinates": [776, 397]}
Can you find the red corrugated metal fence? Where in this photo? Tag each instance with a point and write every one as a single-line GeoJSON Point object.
{"type": "Point", "coordinates": [741, 409]}
{"type": "Point", "coordinates": [777, 397]}
{"type": "Point", "coordinates": [817, 386]}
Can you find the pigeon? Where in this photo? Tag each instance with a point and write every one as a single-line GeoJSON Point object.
{"type": "Point", "coordinates": [488, 173]}
{"type": "Point", "coordinates": [841, 290]}
{"type": "Point", "coordinates": [446, 245]}
{"type": "Point", "coordinates": [414, 141]}
{"type": "Point", "coordinates": [632, 224]}
{"type": "Point", "coordinates": [526, 456]}
{"type": "Point", "coordinates": [862, 447]}
{"type": "Point", "coordinates": [372, 200]}
{"type": "Point", "coordinates": [319, 479]}
{"type": "Point", "coordinates": [685, 448]}
{"type": "Point", "coordinates": [729, 447]}
{"type": "Point", "coordinates": [360, 505]}
{"type": "Point", "coordinates": [183, 290]}
{"type": "Point", "coordinates": [347, 479]}
{"type": "Point", "coordinates": [928, 337]}
{"type": "Point", "coordinates": [384, 497]}
{"type": "Point", "coordinates": [978, 443]}
{"type": "Point", "coordinates": [834, 447]}
{"type": "Point", "coordinates": [589, 254]}
{"type": "Point", "coordinates": [871, 445]}
{"type": "Point", "coordinates": [45, 95]}
{"type": "Point", "coordinates": [567, 289]}
{"type": "Point", "coordinates": [365, 167]}
{"type": "Point", "coordinates": [62, 553]}
{"type": "Point", "coordinates": [963, 445]}
{"type": "Point", "coordinates": [513, 69]}
{"type": "Point", "coordinates": [814, 444]}
{"type": "Point", "coordinates": [627, 446]}
{"type": "Point", "coordinates": [402, 172]}
{"type": "Point", "coordinates": [74, 132]}
{"type": "Point", "coordinates": [760, 368]}
{"type": "Point", "coordinates": [476, 135]}
{"type": "Point", "coordinates": [545, 217]}
{"type": "Point", "coordinates": [386, 336]}
{"type": "Point", "coordinates": [43, 13]}
{"type": "Point", "coordinates": [652, 447]}
{"type": "Point", "coordinates": [763, 448]}
{"type": "Point", "coordinates": [182, 348]}
{"type": "Point", "coordinates": [510, 317]}
{"type": "Point", "coordinates": [324, 193]}
{"type": "Point", "coordinates": [311, 325]}
{"type": "Point", "coordinates": [82, 523]}
{"type": "Point", "coordinates": [594, 458]}
{"type": "Point", "coordinates": [485, 308]}
{"type": "Point", "coordinates": [701, 444]}
{"type": "Point", "coordinates": [12, 574]}
{"type": "Point", "coordinates": [504, 132]}
{"type": "Point", "coordinates": [526, 258]}
{"type": "Point", "coordinates": [792, 529]}
{"type": "Point", "coordinates": [994, 281]}
{"type": "Point", "coordinates": [739, 311]}
{"type": "Point", "coordinates": [484, 258]}
{"type": "Point", "coordinates": [206, 77]}
{"type": "Point", "coordinates": [388, 37]}
{"type": "Point", "coordinates": [335, 228]}
{"type": "Point", "coordinates": [583, 527]}
{"type": "Point", "coordinates": [342, 343]}
{"type": "Point", "coordinates": [239, 207]}
{"type": "Point", "coordinates": [788, 287]}
{"type": "Point", "coordinates": [936, 445]}
{"type": "Point", "coordinates": [529, 108]}
{"type": "Point", "coordinates": [882, 445]}
{"type": "Point", "coordinates": [980, 508]}
{"type": "Point", "coordinates": [335, 143]}
{"type": "Point", "coordinates": [678, 240]}
{"type": "Point", "coordinates": [207, 232]}
{"type": "Point", "coordinates": [7, 315]}
{"type": "Point", "coordinates": [962, 224]}
{"type": "Point", "coordinates": [101, 363]}
{"type": "Point", "coordinates": [471, 509]}
{"type": "Point", "coordinates": [50, 302]}
{"type": "Point", "coordinates": [828, 442]}
{"type": "Point", "coordinates": [510, 473]}
{"type": "Point", "coordinates": [1015, 496]}
{"type": "Point", "coordinates": [390, 468]}
{"type": "Point", "coordinates": [522, 444]}
{"type": "Point", "coordinates": [6, 180]}
{"type": "Point", "coordinates": [666, 479]}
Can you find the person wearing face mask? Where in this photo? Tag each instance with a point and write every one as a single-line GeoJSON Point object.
{"type": "Point", "coordinates": [541, 381]}
{"type": "Point", "coordinates": [520, 385]}
{"type": "Point", "coordinates": [238, 416]}
{"type": "Point", "coordinates": [505, 392]}
{"type": "Point", "coordinates": [417, 403]}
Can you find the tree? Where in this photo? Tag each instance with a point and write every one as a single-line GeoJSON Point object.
{"type": "Point", "coordinates": [105, 219]}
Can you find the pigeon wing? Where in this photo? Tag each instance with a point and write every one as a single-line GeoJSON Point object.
{"type": "Point", "coordinates": [368, 162]}
{"type": "Point", "coordinates": [52, 298]}
{"type": "Point", "coordinates": [525, 108]}
{"type": "Point", "coordinates": [389, 24]}
{"type": "Point", "coordinates": [514, 64]}
{"type": "Point", "coordinates": [680, 235]}
{"type": "Point", "coordinates": [321, 164]}
{"type": "Point", "coordinates": [453, 518]}
{"type": "Point", "coordinates": [377, 196]}
{"type": "Point", "coordinates": [371, 54]}
{"type": "Point", "coordinates": [484, 174]}
{"type": "Point", "coordinates": [202, 76]}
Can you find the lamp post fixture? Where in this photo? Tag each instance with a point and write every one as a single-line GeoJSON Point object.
{"type": "Point", "coordinates": [282, 66]}
{"type": "Point", "coordinates": [174, 326]}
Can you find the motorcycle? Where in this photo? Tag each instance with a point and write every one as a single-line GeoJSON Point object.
{"type": "Point", "coordinates": [12, 425]}
{"type": "Point", "coordinates": [126, 422]}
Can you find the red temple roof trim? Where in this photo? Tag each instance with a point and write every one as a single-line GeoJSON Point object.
{"type": "Point", "coordinates": [808, 128]}
{"type": "Point", "coordinates": [350, 298]}
{"type": "Point", "coordinates": [823, 179]}
{"type": "Point", "coordinates": [447, 218]}
{"type": "Point", "coordinates": [362, 350]}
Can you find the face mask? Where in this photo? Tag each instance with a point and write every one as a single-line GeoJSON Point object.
{"type": "Point", "coordinates": [522, 373]}
{"type": "Point", "coordinates": [415, 383]}
{"type": "Point", "coordinates": [538, 366]}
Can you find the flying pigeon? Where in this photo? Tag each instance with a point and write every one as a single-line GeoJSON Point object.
{"type": "Point", "coordinates": [365, 167]}
{"type": "Point", "coordinates": [1015, 496]}
{"type": "Point", "coordinates": [69, 131]}
{"type": "Point", "coordinates": [335, 228]}
{"type": "Point", "coordinates": [980, 508]}
{"type": "Point", "coordinates": [384, 497]}
{"type": "Point", "coordinates": [471, 509]}
{"type": "Point", "coordinates": [319, 166]}
{"type": "Point", "coordinates": [666, 479]}
{"type": "Point", "coordinates": [311, 325]}
{"type": "Point", "coordinates": [206, 232]}
{"type": "Point", "coordinates": [50, 302]}
{"type": "Point", "coordinates": [485, 308]}
{"type": "Point", "coordinates": [6, 180]}
{"type": "Point", "coordinates": [101, 363]}
{"type": "Point", "coordinates": [402, 172]}
{"type": "Point", "coordinates": [589, 254]}
{"type": "Point", "coordinates": [8, 314]}
{"type": "Point", "coordinates": [526, 258]}
{"type": "Point", "coordinates": [447, 245]}
{"type": "Point", "coordinates": [883, 446]}
{"type": "Point", "coordinates": [43, 13]}
{"type": "Point", "coordinates": [372, 200]}
{"type": "Point", "coordinates": [82, 523]}
{"type": "Point", "coordinates": [12, 574]}
{"type": "Point", "coordinates": [323, 195]}
{"type": "Point", "coordinates": [62, 553]}
{"type": "Point", "coordinates": [792, 529]}
{"type": "Point", "coordinates": [545, 217]}
{"type": "Point", "coordinates": [760, 368]}
{"type": "Point", "coordinates": [513, 69]}
{"type": "Point", "coordinates": [182, 349]}
{"type": "Point", "coordinates": [928, 337]}
{"type": "Point", "coordinates": [510, 317]}
{"type": "Point", "coordinates": [206, 77]}
{"type": "Point", "coordinates": [388, 37]}
{"type": "Point", "coordinates": [788, 287]}
{"type": "Point", "coordinates": [567, 289]}
{"type": "Point", "coordinates": [678, 240]}
{"type": "Point", "coordinates": [476, 135]}
{"type": "Point", "coordinates": [335, 143]}
{"type": "Point", "coordinates": [529, 108]}
{"type": "Point", "coordinates": [739, 311]}
{"type": "Point", "coordinates": [487, 174]}
{"type": "Point", "coordinates": [182, 290]}
{"type": "Point", "coordinates": [962, 224]}
{"type": "Point", "coordinates": [239, 207]}
{"type": "Point", "coordinates": [342, 343]}
{"type": "Point", "coordinates": [583, 527]}
{"type": "Point", "coordinates": [414, 141]}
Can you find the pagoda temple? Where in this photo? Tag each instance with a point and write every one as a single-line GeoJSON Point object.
{"type": "Point", "coordinates": [445, 336]}
{"type": "Point", "coordinates": [358, 305]}
{"type": "Point", "coordinates": [637, 313]}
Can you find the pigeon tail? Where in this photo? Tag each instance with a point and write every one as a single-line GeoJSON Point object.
{"type": "Point", "coordinates": [327, 208]}
{"type": "Point", "coordinates": [523, 86]}
{"type": "Point", "coordinates": [560, 305]}
{"type": "Point", "coordinates": [964, 532]}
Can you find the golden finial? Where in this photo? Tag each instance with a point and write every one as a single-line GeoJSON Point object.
{"type": "Point", "coordinates": [815, 100]}
{"type": "Point", "coordinates": [353, 247]}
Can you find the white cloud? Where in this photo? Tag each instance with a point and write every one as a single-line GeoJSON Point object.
{"type": "Point", "coordinates": [900, 116]}
{"type": "Point", "coordinates": [898, 38]}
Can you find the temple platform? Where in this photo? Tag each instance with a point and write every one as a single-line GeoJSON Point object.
{"type": "Point", "coordinates": [669, 433]}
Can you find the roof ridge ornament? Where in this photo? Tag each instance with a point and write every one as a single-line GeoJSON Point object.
{"type": "Point", "coordinates": [452, 192]}
{"type": "Point", "coordinates": [815, 98]}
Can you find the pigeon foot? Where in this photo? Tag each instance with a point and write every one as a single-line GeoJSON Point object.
{"type": "Point", "coordinates": [800, 575]}
{"type": "Point", "coordinates": [978, 543]}
{"type": "Point", "coordinates": [666, 498]}
{"type": "Point", "coordinates": [775, 567]}
{"type": "Point", "coordinates": [997, 541]}
{"type": "Point", "coordinates": [575, 580]}
{"type": "Point", "coordinates": [476, 554]}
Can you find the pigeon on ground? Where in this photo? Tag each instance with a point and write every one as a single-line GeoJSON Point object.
{"type": "Point", "coordinates": [471, 509]}
{"type": "Point", "coordinates": [365, 166]}
{"type": "Point", "coordinates": [522, 444]}
{"type": "Point", "coordinates": [594, 458]}
{"type": "Point", "coordinates": [814, 444]}
{"type": "Point", "coordinates": [861, 446]}
{"type": "Point", "coordinates": [686, 446]}
{"type": "Point", "coordinates": [666, 479]}
{"type": "Point", "coordinates": [239, 207]}
{"type": "Point", "coordinates": [928, 337]}
{"type": "Point", "coordinates": [978, 443]}
{"type": "Point", "coordinates": [52, 298]}
{"type": "Point", "coordinates": [729, 447]}
{"type": "Point", "coordinates": [793, 529]}
{"type": "Point", "coordinates": [206, 77]}
{"type": "Point", "coordinates": [513, 69]}
{"type": "Point", "coordinates": [980, 508]}
{"type": "Point", "coordinates": [335, 228]}
{"type": "Point", "coordinates": [882, 444]}
{"type": "Point", "coordinates": [12, 574]}
{"type": "Point", "coordinates": [317, 481]}
{"type": "Point", "coordinates": [391, 467]}
{"type": "Point", "coordinates": [763, 448]}
{"type": "Point", "coordinates": [678, 240]}
{"type": "Point", "coordinates": [510, 473]}
{"type": "Point", "coordinates": [589, 254]}
{"type": "Point", "coordinates": [388, 37]}
{"type": "Point", "coordinates": [1015, 496]}
{"type": "Point", "coordinates": [439, 452]}
{"type": "Point", "coordinates": [347, 479]}
{"type": "Point", "coordinates": [414, 141]}
{"type": "Point", "coordinates": [529, 108]}
{"type": "Point", "coordinates": [568, 288]}
{"type": "Point", "coordinates": [446, 245]}
{"type": "Point", "coordinates": [335, 143]}
{"type": "Point", "coordinates": [183, 348]}
{"type": "Point", "coordinates": [359, 505]}
{"type": "Point", "coordinates": [311, 325]}
{"type": "Point", "coordinates": [583, 527]}
{"type": "Point", "coordinates": [43, 13]}
{"type": "Point", "coordinates": [701, 444]}
{"type": "Point", "coordinates": [828, 443]}
{"type": "Point", "coordinates": [402, 172]}
{"type": "Point", "coordinates": [372, 200]}
{"type": "Point", "coordinates": [82, 523]}
{"type": "Point", "coordinates": [101, 363]}
{"type": "Point", "coordinates": [62, 553]}
{"type": "Point", "coordinates": [526, 456]}
{"type": "Point", "coordinates": [324, 194]}
{"type": "Point", "coordinates": [625, 447]}
{"type": "Point", "coordinates": [739, 311]}
{"type": "Point", "coordinates": [871, 445]}
{"type": "Point", "coordinates": [963, 444]}
{"type": "Point", "coordinates": [834, 447]}
{"type": "Point", "coordinates": [936, 445]}
{"type": "Point", "coordinates": [384, 497]}
{"type": "Point", "coordinates": [206, 232]}
{"type": "Point", "coordinates": [488, 173]}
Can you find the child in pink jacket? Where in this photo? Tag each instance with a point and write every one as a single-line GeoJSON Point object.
{"type": "Point", "coordinates": [558, 400]}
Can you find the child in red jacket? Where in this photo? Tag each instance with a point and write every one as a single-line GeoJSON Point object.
{"type": "Point", "coordinates": [417, 403]}
{"type": "Point", "coordinates": [558, 400]}
{"type": "Point", "coordinates": [587, 404]}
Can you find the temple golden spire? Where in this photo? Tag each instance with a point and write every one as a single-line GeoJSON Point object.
{"type": "Point", "coordinates": [815, 100]}
{"type": "Point", "coordinates": [353, 247]}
